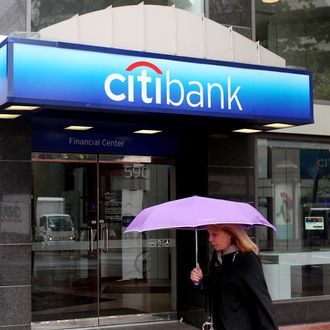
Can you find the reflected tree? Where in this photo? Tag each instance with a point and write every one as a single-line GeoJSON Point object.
{"type": "Point", "coordinates": [299, 31]}
{"type": "Point", "coordinates": [48, 12]}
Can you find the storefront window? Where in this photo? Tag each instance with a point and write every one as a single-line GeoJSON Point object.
{"type": "Point", "coordinates": [299, 32]}
{"type": "Point", "coordinates": [294, 194]}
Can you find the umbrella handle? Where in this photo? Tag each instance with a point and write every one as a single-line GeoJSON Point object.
{"type": "Point", "coordinates": [196, 247]}
{"type": "Point", "coordinates": [196, 252]}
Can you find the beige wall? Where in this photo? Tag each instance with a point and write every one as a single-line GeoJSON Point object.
{"type": "Point", "coordinates": [321, 123]}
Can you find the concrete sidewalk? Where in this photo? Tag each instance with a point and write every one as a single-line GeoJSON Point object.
{"type": "Point", "coordinates": [176, 325]}
{"type": "Point", "coordinates": [164, 325]}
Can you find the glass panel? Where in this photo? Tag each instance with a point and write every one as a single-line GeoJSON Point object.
{"type": "Point", "coordinates": [137, 269]}
{"type": "Point", "coordinates": [45, 12]}
{"type": "Point", "coordinates": [64, 248]}
{"type": "Point", "coordinates": [310, 280]}
{"type": "Point", "coordinates": [86, 271]}
{"type": "Point", "coordinates": [235, 13]}
{"type": "Point", "coordinates": [294, 194]}
{"type": "Point", "coordinates": [299, 32]}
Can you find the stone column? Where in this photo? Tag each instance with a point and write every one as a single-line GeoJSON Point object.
{"type": "Point", "coordinates": [15, 225]}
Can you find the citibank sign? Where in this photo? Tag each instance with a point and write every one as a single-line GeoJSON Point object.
{"type": "Point", "coordinates": [80, 76]}
{"type": "Point", "coordinates": [168, 88]}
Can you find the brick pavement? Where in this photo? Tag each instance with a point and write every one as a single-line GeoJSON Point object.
{"type": "Point", "coordinates": [315, 326]}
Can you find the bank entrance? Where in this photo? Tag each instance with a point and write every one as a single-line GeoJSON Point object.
{"type": "Point", "coordinates": [85, 270]}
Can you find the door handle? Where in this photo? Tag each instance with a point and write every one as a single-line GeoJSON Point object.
{"type": "Point", "coordinates": [105, 238]}
{"type": "Point", "coordinates": [91, 239]}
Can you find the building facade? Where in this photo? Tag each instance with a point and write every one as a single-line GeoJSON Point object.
{"type": "Point", "coordinates": [67, 196]}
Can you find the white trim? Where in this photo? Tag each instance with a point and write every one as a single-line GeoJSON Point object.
{"type": "Point", "coordinates": [176, 32]}
{"type": "Point", "coordinates": [28, 15]}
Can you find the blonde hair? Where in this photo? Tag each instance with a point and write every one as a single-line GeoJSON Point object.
{"type": "Point", "coordinates": [239, 237]}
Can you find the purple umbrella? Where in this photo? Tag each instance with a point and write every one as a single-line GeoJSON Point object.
{"type": "Point", "coordinates": [195, 213]}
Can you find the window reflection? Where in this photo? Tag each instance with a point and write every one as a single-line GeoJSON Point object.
{"type": "Point", "coordinates": [294, 194]}
{"type": "Point", "coordinates": [235, 13]}
{"type": "Point", "coordinates": [84, 266]}
{"type": "Point", "coordinates": [299, 32]}
{"type": "Point", "coordinates": [45, 12]}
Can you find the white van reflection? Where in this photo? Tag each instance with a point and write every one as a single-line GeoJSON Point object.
{"type": "Point", "coordinates": [56, 227]}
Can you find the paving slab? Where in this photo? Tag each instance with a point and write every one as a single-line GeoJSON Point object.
{"type": "Point", "coordinates": [175, 325]}
{"type": "Point", "coordinates": [170, 325]}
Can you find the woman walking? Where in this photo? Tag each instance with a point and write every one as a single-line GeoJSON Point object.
{"type": "Point", "coordinates": [237, 290]}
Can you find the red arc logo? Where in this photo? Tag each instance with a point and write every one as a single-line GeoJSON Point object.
{"type": "Point", "coordinates": [144, 63]}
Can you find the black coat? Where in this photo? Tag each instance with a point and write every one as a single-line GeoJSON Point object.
{"type": "Point", "coordinates": [238, 293]}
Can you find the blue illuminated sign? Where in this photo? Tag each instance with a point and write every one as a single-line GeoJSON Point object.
{"type": "Point", "coordinates": [3, 74]}
{"type": "Point", "coordinates": [81, 76]}
{"type": "Point", "coordinates": [96, 142]}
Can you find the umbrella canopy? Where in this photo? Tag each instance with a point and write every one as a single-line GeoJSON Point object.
{"type": "Point", "coordinates": [196, 212]}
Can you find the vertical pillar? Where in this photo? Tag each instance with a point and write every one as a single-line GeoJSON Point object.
{"type": "Point", "coordinates": [192, 177]}
{"type": "Point", "coordinates": [15, 236]}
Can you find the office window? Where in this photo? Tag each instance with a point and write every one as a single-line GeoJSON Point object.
{"type": "Point", "coordinates": [48, 12]}
{"type": "Point", "coordinates": [235, 13]}
{"type": "Point", "coordinates": [299, 31]}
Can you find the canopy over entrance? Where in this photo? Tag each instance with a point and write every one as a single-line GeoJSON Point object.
{"type": "Point", "coordinates": [163, 30]}
{"type": "Point", "coordinates": [151, 62]}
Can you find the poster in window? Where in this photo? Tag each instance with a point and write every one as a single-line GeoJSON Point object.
{"type": "Point", "coordinates": [314, 223]}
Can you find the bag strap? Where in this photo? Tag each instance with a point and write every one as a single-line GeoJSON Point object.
{"type": "Point", "coordinates": [208, 324]}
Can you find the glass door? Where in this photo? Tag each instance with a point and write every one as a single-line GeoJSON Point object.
{"type": "Point", "coordinates": [137, 270]}
{"type": "Point", "coordinates": [65, 242]}
{"type": "Point", "coordinates": [85, 270]}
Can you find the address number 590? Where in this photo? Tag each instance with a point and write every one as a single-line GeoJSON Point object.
{"type": "Point", "coordinates": [136, 171]}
